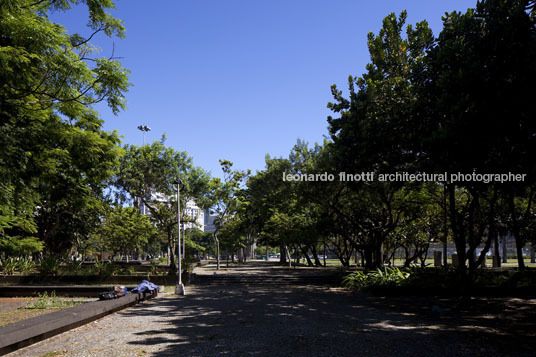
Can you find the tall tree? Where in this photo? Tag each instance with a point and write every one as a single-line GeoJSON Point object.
{"type": "Point", "coordinates": [225, 199]}
{"type": "Point", "coordinates": [125, 230]}
{"type": "Point", "coordinates": [475, 92]}
{"type": "Point", "coordinates": [375, 132]}
{"type": "Point", "coordinates": [54, 153]}
{"type": "Point", "coordinates": [146, 177]}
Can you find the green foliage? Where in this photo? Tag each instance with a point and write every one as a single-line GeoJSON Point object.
{"type": "Point", "coordinates": [8, 266]}
{"type": "Point", "coordinates": [145, 177]}
{"type": "Point", "coordinates": [388, 276]}
{"type": "Point", "coordinates": [154, 266]}
{"type": "Point", "coordinates": [50, 265]}
{"type": "Point", "coordinates": [286, 213]}
{"type": "Point", "coordinates": [188, 264]}
{"type": "Point", "coordinates": [127, 271]}
{"type": "Point", "coordinates": [197, 240]}
{"type": "Point", "coordinates": [55, 156]}
{"type": "Point", "coordinates": [124, 229]}
{"type": "Point", "coordinates": [25, 265]}
{"type": "Point", "coordinates": [105, 268]}
{"type": "Point", "coordinates": [225, 198]}
{"type": "Point", "coordinates": [495, 280]}
{"type": "Point", "coordinates": [46, 301]}
{"type": "Point", "coordinates": [73, 267]}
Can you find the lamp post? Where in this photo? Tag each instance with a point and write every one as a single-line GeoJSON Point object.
{"type": "Point", "coordinates": [179, 289]}
{"type": "Point", "coordinates": [183, 242]}
{"type": "Point", "coordinates": [144, 129]}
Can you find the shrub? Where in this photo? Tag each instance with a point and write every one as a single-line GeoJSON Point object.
{"type": "Point", "coordinates": [105, 269]}
{"type": "Point", "coordinates": [73, 267]}
{"type": "Point", "coordinates": [50, 264]}
{"type": "Point", "coordinates": [25, 265]}
{"type": "Point", "coordinates": [8, 266]}
{"type": "Point", "coordinates": [127, 271]}
{"type": "Point", "coordinates": [380, 277]}
{"type": "Point", "coordinates": [154, 266]}
{"type": "Point", "coordinates": [188, 264]}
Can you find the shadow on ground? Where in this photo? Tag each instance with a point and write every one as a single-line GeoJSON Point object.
{"type": "Point", "coordinates": [319, 322]}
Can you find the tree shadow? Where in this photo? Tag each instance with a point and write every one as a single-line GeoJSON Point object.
{"type": "Point", "coordinates": [242, 320]}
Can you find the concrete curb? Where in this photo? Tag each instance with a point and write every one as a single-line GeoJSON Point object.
{"type": "Point", "coordinates": [23, 333]}
{"type": "Point", "coordinates": [60, 290]}
{"type": "Point", "coordinates": [87, 279]}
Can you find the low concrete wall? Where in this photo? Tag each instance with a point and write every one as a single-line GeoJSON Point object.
{"type": "Point", "coordinates": [89, 279]}
{"type": "Point", "coordinates": [29, 331]}
{"type": "Point", "coordinates": [67, 291]}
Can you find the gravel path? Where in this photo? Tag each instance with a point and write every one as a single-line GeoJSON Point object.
{"type": "Point", "coordinates": [302, 321]}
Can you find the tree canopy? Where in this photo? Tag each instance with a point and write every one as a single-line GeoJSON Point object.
{"type": "Point", "coordinates": [55, 157]}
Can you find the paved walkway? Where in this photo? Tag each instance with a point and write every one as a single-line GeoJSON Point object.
{"type": "Point", "coordinates": [261, 268]}
{"type": "Point", "coordinates": [304, 321]}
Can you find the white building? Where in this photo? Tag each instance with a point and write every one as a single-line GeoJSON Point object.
{"type": "Point", "coordinates": [196, 214]}
{"type": "Point", "coordinates": [197, 217]}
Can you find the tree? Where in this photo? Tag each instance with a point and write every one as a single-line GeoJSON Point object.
{"type": "Point", "coordinates": [283, 212]}
{"type": "Point", "coordinates": [264, 195]}
{"type": "Point", "coordinates": [225, 199]}
{"type": "Point", "coordinates": [125, 230]}
{"type": "Point", "coordinates": [474, 113]}
{"type": "Point", "coordinates": [198, 241]}
{"type": "Point", "coordinates": [53, 149]}
{"type": "Point", "coordinates": [375, 133]}
{"type": "Point", "coordinates": [145, 178]}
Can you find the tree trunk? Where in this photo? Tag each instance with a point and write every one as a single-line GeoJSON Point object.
{"type": "Point", "coordinates": [505, 250]}
{"type": "Point", "coordinates": [168, 262]}
{"type": "Point", "coordinates": [315, 256]}
{"type": "Point", "coordinates": [217, 251]}
{"type": "Point", "coordinates": [520, 258]}
{"type": "Point", "coordinates": [309, 262]}
{"type": "Point", "coordinates": [496, 249]}
{"type": "Point", "coordinates": [517, 235]}
{"type": "Point", "coordinates": [378, 251]}
{"type": "Point", "coordinates": [289, 258]}
{"type": "Point", "coordinates": [171, 255]}
{"type": "Point", "coordinates": [369, 264]}
{"type": "Point", "coordinates": [283, 255]}
{"type": "Point", "coordinates": [457, 231]}
{"type": "Point", "coordinates": [445, 228]}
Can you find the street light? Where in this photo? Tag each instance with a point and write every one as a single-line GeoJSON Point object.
{"type": "Point", "coordinates": [144, 129]}
{"type": "Point", "coordinates": [179, 289]}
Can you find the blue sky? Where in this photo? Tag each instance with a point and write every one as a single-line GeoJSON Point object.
{"type": "Point", "coordinates": [239, 79]}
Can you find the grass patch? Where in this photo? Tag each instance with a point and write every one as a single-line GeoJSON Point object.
{"type": "Point", "coordinates": [32, 307]}
{"type": "Point", "coordinates": [46, 301]}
